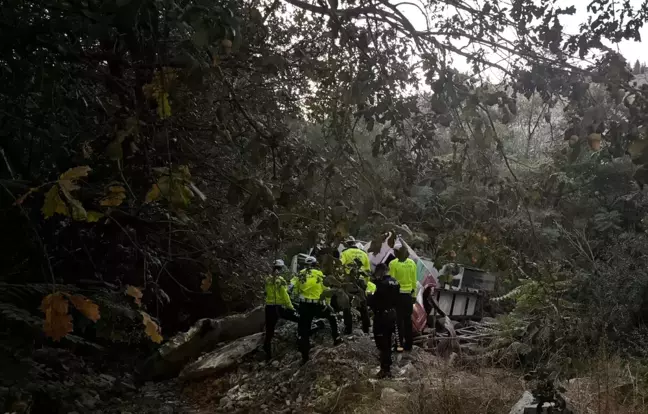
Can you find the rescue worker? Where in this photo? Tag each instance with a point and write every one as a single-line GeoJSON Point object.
{"type": "Point", "coordinates": [383, 303]}
{"type": "Point", "coordinates": [278, 304]}
{"type": "Point", "coordinates": [403, 269]}
{"type": "Point", "coordinates": [350, 257]}
{"type": "Point", "coordinates": [309, 286]}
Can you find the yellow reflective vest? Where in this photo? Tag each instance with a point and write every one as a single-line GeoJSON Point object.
{"type": "Point", "coordinates": [310, 284]}
{"type": "Point", "coordinates": [276, 290]}
{"type": "Point", "coordinates": [405, 274]}
{"type": "Point", "coordinates": [348, 256]}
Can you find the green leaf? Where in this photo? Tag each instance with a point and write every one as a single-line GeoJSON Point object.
{"type": "Point", "coordinates": [54, 204]}
{"type": "Point", "coordinates": [153, 194]}
{"type": "Point", "coordinates": [78, 212]}
{"type": "Point", "coordinates": [94, 216]}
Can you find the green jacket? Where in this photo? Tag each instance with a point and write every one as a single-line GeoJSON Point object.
{"type": "Point", "coordinates": [276, 290]}
{"type": "Point", "coordinates": [405, 274]}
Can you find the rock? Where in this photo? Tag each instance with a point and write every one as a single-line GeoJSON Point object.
{"type": "Point", "coordinates": [525, 401]}
{"type": "Point", "coordinates": [390, 396]}
{"type": "Point", "coordinates": [166, 409]}
{"type": "Point", "coordinates": [222, 359]}
{"type": "Point", "coordinates": [408, 370]}
{"type": "Point", "coordinates": [225, 401]}
{"type": "Point", "coordinates": [171, 357]}
{"type": "Point", "coordinates": [87, 401]}
{"type": "Point", "coordinates": [275, 364]}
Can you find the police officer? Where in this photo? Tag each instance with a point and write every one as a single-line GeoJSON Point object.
{"type": "Point", "coordinates": [403, 269]}
{"type": "Point", "coordinates": [353, 257]}
{"type": "Point", "coordinates": [278, 304]}
{"type": "Point", "coordinates": [383, 303]}
{"type": "Point", "coordinates": [309, 286]}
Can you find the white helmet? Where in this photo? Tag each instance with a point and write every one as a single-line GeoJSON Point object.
{"type": "Point", "coordinates": [310, 261]}
{"type": "Point", "coordinates": [350, 241]}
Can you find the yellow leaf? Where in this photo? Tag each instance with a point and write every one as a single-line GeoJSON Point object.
{"type": "Point", "coordinates": [151, 328]}
{"type": "Point", "coordinates": [116, 195]}
{"type": "Point", "coordinates": [57, 321]}
{"type": "Point", "coordinates": [94, 216]}
{"type": "Point", "coordinates": [164, 108]}
{"type": "Point", "coordinates": [75, 173]}
{"type": "Point", "coordinates": [135, 293]}
{"type": "Point", "coordinates": [84, 305]}
{"type": "Point", "coordinates": [206, 282]}
{"type": "Point", "coordinates": [153, 194]}
{"type": "Point", "coordinates": [53, 203]}
{"type": "Point", "coordinates": [78, 212]}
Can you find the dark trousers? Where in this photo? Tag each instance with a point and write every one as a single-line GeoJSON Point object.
{"type": "Point", "coordinates": [308, 311]}
{"type": "Point", "coordinates": [404, 320]}
{"type": "Point", "coordinates": [272, 315]}
{"type": "Point", "coordinates": [384, 323]}
{"type": "Point", "coordinates": [364, 318]}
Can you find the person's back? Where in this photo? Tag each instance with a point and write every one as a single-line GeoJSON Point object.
{"type": "Point", "coordinates": [310, 284]}
{"type": "Point", "coordinates": [385, 297]}
{"type": "Point", "coordinates": [404, 271]}
{"type": "Point", "coordinates": [384, 302]}
{"type": "Point", "coordinates": [349, 256]}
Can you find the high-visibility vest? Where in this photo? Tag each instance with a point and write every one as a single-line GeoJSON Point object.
{"type": "Point", "coordinates": [405, 274]}
{"type": "Point", "coordinates": [348, 256]}
{"type": "Point", "coordinates": [310, 284]}
{"type": "Point", "coordinates": [276, 290]}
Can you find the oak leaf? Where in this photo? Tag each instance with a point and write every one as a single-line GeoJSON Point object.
{"type": "Point", "coordinates": [58, 323]}
{"type": "Point", "coordinates": [151, 328]}
{"type": "Point", "coordinates": [153, 194]}
{"type": "Point", "coordinates": [75, 173]}
{"type": "Point", "coordinates": [84, 305]}
{"type": "Point", "coordinates": [116, 195]}
{"type": "Point", "coordinates": [135, 293]}
{"type": "Point", "coordinates": [53, 203]}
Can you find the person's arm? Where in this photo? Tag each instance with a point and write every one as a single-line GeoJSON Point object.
{"type": "Point", "coordinates": [284, 297]}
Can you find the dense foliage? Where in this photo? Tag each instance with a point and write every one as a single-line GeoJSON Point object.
{"type": "Point", "coordinates": [156, 154]}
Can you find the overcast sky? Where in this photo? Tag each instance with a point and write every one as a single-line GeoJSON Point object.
{"type": "Point", "coordinates": [629, 49]}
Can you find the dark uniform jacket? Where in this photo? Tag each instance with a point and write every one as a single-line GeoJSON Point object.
{"type": "Point", "coordinates": [386, 296]}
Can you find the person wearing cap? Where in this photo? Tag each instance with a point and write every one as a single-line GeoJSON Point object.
{"type": "Point", "coordinates": [351, 256]}
{"type": "Point", "coordinates": [277, 304]}
{"type": "Point", "coordinates": [309, 286]}
{"type": "Point", "coordinates": [403, 269]}
{"type": "Point", "coordinates": [383, 303]}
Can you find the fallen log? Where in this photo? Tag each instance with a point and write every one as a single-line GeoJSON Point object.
{"type": "Point", "coordinates": [221, 359]}
{"type": "Point", "coordinates": [173, 355]}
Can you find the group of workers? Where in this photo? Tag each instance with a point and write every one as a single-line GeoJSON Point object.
{"type": "Point", "coordinates": [389, 293]}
